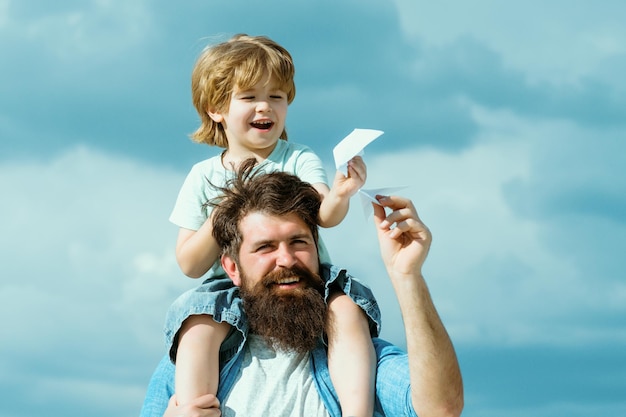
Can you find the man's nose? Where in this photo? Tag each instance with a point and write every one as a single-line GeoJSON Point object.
{"type": "Point", "coordinates": [285, 257]}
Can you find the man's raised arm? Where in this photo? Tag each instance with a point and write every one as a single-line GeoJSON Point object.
{"type": "Point", "coordinates": [436, 383]}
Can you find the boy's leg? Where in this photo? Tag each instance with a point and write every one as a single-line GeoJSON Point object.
{"type": "Point", "coordinates": [351, 356]}
{"type": "Point", "coordinates": [197, 357]}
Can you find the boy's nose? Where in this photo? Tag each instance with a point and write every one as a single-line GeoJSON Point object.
{"type": "Point", "coordinates": [263, 106]}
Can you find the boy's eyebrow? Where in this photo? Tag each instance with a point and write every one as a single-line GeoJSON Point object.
{"type": "Point", "coordinates": [238, 90]}
{"type": "Point", "coordinates": [272, 86]}
{"type": "Point", "coordinates": [277, 87]}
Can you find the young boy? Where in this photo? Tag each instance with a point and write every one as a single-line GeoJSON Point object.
{"type": "Point", "coordinates": [241, 89]}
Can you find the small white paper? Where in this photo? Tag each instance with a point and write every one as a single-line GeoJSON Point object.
{"type": "Point", "coordinates": [353, 145]}
{"type": "Point", "coordinates": [368, 196]}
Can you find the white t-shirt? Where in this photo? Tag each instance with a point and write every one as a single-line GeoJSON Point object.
{"type": "Point", "coordinates": [273, 383]}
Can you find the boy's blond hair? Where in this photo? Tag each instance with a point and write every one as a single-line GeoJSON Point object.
{"type": "Point", "coordinates": [240, 62]}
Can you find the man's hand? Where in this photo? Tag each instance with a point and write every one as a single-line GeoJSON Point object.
{"type": "Point", "coordinates": [205, 406]}
{"type": "Point", "coordinates": [404, 247]}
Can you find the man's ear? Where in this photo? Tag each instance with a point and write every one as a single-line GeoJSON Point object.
{"type": "Point", "coordinates": [230, 266]}
{"type": "Point", "coordinates": [215, 116]}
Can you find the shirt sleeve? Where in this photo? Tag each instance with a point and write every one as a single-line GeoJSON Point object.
{"type": "Point", "coordinates": [160, 389]}
{"type": "Point", "coordinates": [360, 293]}
{"type": "Point", "coordinates": [393, 382]}
{"type": "Point", "coordinates": [189, 211]}
{"type": "Point", "coordinates": [309, 166]}
{"type": "Point", "coordinates": [300, 160]}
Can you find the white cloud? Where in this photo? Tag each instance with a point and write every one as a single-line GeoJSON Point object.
{"type": "Point", "coordinates": [498, 277]}
{"type": "Point", "coordinates": [559, 41]}
{"type": "Point", "coordinates": [83, 33]}
{"type": "Point", "coordinates": [4, 12]}
{"type": "Point", "coordinates": [88, 265]}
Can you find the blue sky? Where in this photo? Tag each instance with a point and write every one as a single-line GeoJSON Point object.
{"type": "Point", "coordinates": [506, 120]}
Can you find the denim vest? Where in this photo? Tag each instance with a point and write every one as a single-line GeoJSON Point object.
{"type": "Point", "coordinates": [393, 396]}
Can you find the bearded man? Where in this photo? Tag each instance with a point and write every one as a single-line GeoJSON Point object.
{"type": "Point", "coordinates": [267, 227]}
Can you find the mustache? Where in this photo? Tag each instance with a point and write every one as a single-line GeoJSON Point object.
{"type": "Point", "coordinates": [295, 273]}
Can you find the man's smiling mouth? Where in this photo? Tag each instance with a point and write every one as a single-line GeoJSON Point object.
{"type": "Point", "coordinates": [287, 281]}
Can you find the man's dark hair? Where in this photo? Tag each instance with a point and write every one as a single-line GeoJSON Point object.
{"type": "Point", "coordinates": [275, 194]}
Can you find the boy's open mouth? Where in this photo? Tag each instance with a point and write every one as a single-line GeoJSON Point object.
{"type": "Point", "coordinates": [262, 124]}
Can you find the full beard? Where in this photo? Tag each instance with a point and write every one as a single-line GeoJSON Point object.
{"type": "Point", "coordinates": [289, 320]}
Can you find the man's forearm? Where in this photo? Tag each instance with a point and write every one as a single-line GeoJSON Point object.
{"type": "Point", "coordinates": [436, 383]}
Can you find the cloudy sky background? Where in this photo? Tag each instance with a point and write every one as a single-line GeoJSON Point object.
{"type": "Point", "coordinates": [505, 119]}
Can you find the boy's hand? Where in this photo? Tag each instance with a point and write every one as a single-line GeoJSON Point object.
{"type": "Point", "coordinates": [205, 406]}
{"type": "Point", "coordinates": [357, 174]}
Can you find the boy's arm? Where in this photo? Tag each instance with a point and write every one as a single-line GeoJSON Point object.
{"type": "Point", "coordinates": [436, 383]}
{"type": "Point", "coordinates": [196, 251]}
{"type": "Point", "coordinates": [205, 406]}
{"type": "Point", "coordinates": [336, 201]}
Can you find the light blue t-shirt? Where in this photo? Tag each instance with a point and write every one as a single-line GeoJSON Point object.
{"type": "Point", "coordinates": [190, 211]}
